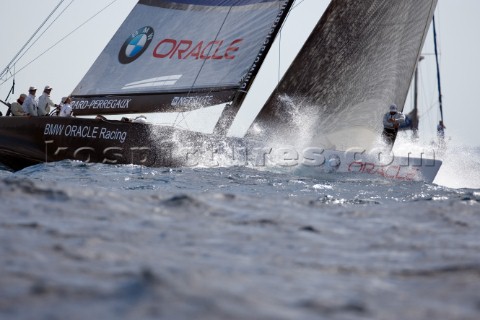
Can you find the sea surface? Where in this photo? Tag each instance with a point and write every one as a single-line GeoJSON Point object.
{"type": "Point", "coordinates": [93, 241]}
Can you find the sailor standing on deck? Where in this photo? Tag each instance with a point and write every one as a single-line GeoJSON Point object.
{"type": "Point", "coordinates": [391, 121]}
{"type": "Point", "coordinates": [44, 102]}
{"type": "Point", "coordinates": [30, 105]}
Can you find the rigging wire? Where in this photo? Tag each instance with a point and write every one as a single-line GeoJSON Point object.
{"type": "Point", "coordinates": [62, 39]}
{"type": "Point", "coordinates": [296, 5]}
{"type": "Point", "coordinates": [48, 27]}
{"type": "Point", "coordinates": [279, 54]}
{"type": "Point", "coordinates": [184, 117]}
{"type": "Point", "coordinates": [436, 102]}
{"type": "Point", "coordinates": [7, 68]}
{"type": "Point", "coordinates": [429, 102]}
{"type": "Point", "coordinates": [185, 114]}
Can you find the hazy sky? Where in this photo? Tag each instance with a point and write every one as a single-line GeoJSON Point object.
{"type": "Point", "coordinates": [64, 65]}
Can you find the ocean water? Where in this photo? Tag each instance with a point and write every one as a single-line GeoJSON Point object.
{"type": "Point", "coordinates": [92, 241]}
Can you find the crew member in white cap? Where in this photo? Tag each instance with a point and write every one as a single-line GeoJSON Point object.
{"type": "Point", "coordinates": [44, 102]}
{"type": "Point", "coordinates": [30, 105]}
{"type": "Point", "coordinates": [391, 121]}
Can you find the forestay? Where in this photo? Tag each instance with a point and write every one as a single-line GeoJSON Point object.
{"type": "Point", "coordinates": [179, 55]}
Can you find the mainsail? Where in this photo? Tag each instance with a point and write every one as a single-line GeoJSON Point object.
{"type": "Point", "coordinates": [358, 60]}
{"type": "Point", "coordinates": [177, 55]}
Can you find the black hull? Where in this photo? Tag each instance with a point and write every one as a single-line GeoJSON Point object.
{"type": "Point", "coordinates": [29, 141]}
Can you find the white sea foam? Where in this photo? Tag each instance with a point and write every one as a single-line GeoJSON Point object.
{"type": "Point", "coordinates": [461, 164]}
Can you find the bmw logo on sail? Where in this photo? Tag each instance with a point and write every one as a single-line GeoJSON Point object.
{"type": "Point", "coordinates": [135, 45]}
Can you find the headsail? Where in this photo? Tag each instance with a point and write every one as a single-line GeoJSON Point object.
{"type": "Point", "coordinates": [359, 59]}
{"type": "Point", "coordinates": [176, 55]}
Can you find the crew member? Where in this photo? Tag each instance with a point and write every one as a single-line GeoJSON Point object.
{"type": "Point", "coordinates": [391, 122]}
{"type": "Point", "coordinates": [30, 105]}
{"type": "Point", "coordinates": [66, 110]}
{"type": "Point", "coordinates": [16, 107]}
{"type": "Point", "coordinates": [44, 102]}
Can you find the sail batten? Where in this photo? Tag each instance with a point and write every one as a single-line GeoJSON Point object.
{"type": "Point", "coordinates": [176, 55]}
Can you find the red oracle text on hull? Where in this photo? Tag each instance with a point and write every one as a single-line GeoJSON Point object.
{"type": "Point", "coordinates": [397, 172]}
{"type": "Point", "coordinates": [187, 49]}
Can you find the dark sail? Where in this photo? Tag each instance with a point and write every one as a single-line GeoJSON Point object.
{"type": "Point", "coordinates": [179, 55]}
{"type": "Point", "coordinates": [359, 59]}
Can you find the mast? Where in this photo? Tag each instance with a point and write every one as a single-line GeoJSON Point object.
{"type": "Point", "coordinates": [438, 70]}
{"type": "Point", "coordinates": [414, 113]}
{"type": "Point", "coordinates": [231, 110]}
